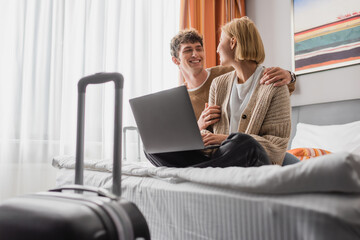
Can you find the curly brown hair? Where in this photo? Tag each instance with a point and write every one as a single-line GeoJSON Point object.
{"type": "Point", "coordinates": [184, 36]}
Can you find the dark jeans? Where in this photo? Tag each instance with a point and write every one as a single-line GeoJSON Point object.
{"type": "Point", "coordinates": [238, 149]}
{"type": "Point", "coordinates": [290, 159]}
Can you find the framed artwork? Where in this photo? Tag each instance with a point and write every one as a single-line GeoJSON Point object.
{"type": "Point", "coordinates": [326, 34]}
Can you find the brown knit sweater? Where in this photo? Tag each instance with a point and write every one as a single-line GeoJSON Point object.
{"type": "Point", "coordinates": [266, 117]}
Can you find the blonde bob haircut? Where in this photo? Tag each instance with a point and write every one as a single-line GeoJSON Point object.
{"type": "Point", "coordinates": [249, 45]}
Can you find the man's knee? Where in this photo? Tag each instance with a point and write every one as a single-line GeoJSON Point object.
{"type": "Point", "coordinates": [152, 159]}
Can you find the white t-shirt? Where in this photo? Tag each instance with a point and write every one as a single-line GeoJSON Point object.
{"type": "Point", "coordinates": [239, 98]}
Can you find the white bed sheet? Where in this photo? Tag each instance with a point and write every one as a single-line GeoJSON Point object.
{"type": "Point", "coordinates": [178, 208]}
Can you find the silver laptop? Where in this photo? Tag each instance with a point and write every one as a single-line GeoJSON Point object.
{"type": "Point", "coordinates": [166, 121]}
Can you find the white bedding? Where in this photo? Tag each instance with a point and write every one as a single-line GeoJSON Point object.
{"type": "Point", "coordinates": [317, 199]}
{"type": "Point", "coordinates": [335, 172]}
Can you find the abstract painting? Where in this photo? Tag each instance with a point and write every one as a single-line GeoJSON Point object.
{"type": "Point", "coordinates": [326, 34]}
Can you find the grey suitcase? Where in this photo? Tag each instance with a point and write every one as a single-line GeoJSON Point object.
{"type": "Point", "coordinates": [71, 212]}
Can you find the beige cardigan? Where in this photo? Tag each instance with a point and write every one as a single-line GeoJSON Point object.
{"type": "Point", "coordinates": [201, 96]}
{"type": "Point", "coordinates": [266, 117]}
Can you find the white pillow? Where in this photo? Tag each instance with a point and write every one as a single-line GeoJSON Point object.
{"type": "Point", "coordinates": [334, 138]}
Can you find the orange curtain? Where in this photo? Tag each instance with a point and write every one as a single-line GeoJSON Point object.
{"type": "Point", "coordinates": [207, 16]}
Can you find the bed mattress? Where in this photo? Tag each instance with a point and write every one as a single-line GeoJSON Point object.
{"type": "Point", "coordinates": [183, 204]}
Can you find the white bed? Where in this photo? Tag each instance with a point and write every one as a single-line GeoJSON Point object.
{"type": "Point", "coordinates": [315, 199]}
{"type": "Point", "coordinates": [304, 201]}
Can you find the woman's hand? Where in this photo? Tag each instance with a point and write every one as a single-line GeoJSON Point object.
{"type": "Point", "coordinates": [213, 139]}
{"type": "Point", "coordinates": [209, 116]}
{"type": "Point", "coordinates": [276, 75]}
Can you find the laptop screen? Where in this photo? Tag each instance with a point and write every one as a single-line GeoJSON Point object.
{"type": "Point", "coordinates": [166, 121]}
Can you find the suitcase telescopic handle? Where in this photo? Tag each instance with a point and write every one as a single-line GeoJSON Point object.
{"type": "Point", "coordinates": [98, 191]}
{"type": "Point", "coordinates": [99, 78]}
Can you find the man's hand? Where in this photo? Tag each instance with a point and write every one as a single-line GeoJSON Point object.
{"type": "Point", "coordinates": [209, 116]}
{"type": "Point", "coordinates": [213, 139]}
{"type": "Point", "coordinates": [276, 75]}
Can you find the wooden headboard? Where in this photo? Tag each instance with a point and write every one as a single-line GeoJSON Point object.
{"type": "Point", "coordinates": [325, 114]}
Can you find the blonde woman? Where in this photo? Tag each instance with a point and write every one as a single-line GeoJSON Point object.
{"type": "Point", "coordinates": [254, 126]}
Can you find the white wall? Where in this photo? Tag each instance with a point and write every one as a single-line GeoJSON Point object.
{"type": "Point", "coordinates": [273, 19]}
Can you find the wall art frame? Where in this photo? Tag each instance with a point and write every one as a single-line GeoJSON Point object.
{"type": "Point", "coordinates": [326, 34]}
